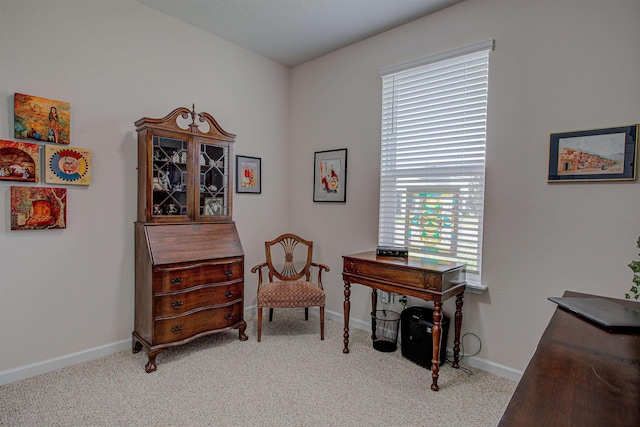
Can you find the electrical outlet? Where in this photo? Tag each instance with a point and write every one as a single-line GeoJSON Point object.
{"type": "Point", "coordinates": [384, 297]}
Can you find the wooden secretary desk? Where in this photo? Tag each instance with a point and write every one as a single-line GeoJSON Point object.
{"type": "Point", "coordinates": [412, 277]}
{"type": "Point", "coordinates": [189, 261]}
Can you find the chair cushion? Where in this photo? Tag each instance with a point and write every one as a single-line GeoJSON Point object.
{"type": "Point", "coordinates": [291, 294]}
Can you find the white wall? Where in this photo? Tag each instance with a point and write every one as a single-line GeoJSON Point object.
{"type": "Point", "coordinates": [69, 291]}
{"type": "Point", "coordinates": [557, 66]}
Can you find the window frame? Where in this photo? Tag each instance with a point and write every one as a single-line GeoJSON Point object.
{"type": "Point", "coordinates": [407, 126]}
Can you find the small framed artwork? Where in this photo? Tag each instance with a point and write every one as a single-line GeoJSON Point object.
{"type": "Point", "coordinates": [213, 206]}
{"type": "Point", "coordinates": [330, 176]}
{"type": "Point", "coordinates": [41, 119]}
{"type": "Point", "coordinates": [248, 175]}
{"type": "Point", "coordinates": [593, 155]}
{"type": "Point", "coordinates": [67, 165]}
{"type": "Point", "coordinates": [19, 161]}
{"type": "Point", "coordinates": [38, 208]}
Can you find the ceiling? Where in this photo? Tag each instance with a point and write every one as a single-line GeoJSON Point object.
{"type": "Point", "coordinates": [295, 31]}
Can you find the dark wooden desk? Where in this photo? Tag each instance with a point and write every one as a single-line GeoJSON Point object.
{"type": "Point", "coordinates": [413, 277]}
{"type": "Point", "coordinates": [580, 375]}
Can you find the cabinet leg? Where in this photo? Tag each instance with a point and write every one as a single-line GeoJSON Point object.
{"type": "Point", "coordinates": [151, 364]}
{"type": "Point", "coordinates": [136, 346]}
{"type": "Point", "coordinates": [241, 335]}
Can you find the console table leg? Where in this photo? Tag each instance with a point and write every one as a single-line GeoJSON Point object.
{"type": "Point", "coordinates": [456, 341]}
{"type": "Point", "coordinates": [374, 304]}
{"type": "Point", "coordinates": [437, 333]}
{"type": "Point", "coordinates": [347, 309]}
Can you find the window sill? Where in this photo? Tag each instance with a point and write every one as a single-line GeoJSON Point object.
{"type": "Point", "coordinates": [475, 288]}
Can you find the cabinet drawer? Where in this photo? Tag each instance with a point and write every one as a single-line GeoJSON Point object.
{"type": "Point", "coordinates": [177, 277]}
{"type": "Point", "coordinates": [183, 302]}
{"type": "Point", "coordinates": [208, 320]}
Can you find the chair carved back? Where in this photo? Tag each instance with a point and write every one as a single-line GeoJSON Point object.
{"type": "Point", "coordinates": [289, 257]}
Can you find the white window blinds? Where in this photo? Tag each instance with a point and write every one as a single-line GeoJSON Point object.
{"type": "Point", "coordinates": [434, 114]}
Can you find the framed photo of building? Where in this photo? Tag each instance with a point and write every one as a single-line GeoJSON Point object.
{"type": "Point", "coordinates": [593, 155]}
{"type": "Point", "coordinates": [330, 176]}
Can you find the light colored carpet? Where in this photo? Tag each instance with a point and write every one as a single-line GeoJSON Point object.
{"type": "Point", "coordinates": [291, 378]}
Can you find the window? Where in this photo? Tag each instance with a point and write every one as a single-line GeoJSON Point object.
{"type": "Point", "coordinates": [434, 119]}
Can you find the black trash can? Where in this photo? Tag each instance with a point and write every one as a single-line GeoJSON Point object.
{"type": "Point", "coordinates": [417, 337]}
{"type": "Point", "coordinates": [384, 330]}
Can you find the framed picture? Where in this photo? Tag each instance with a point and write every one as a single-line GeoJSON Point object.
{"type": "Point", "coordinates": [248, 175]}
{"type": "Point", "coordinates": [330, 176]}
{"type": "Point", "coordinates": [38, 208]}
{"type": "Point", "coordinates": [19, 161]}
{"type": "Point", "coordinates": [213, 206]}
{"type": "Point", "coordinates": [593, 155]}
{"type": "Point", "coordinates": [67, 165]}
{"type": "Point", "coordinates": [41, 119]}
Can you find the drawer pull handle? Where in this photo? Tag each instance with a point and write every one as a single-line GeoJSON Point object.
{"type": "Point", "coordinates": [228, 273]}
{"type": "Point", "coordinates": [228, 316]}
{"type": "Point", "coordinates": [176, 281]}
{"type": "Point", "coordinates": [176, 304]}
{"type": "Point", "coordinates": [176, 329]}
{"type": "Point", "coordinates": [228, 294]}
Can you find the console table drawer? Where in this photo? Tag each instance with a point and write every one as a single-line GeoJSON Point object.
{"type": "Point", "coordinates": [183, 302]}
{"type": "Point", "coordinates": [178, 328]}
{"type": "Point", "coordinates": [374, 271]}
{"type": "Point", "coordinates": [184, 276]}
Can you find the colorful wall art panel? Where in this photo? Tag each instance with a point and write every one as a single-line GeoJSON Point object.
{"type": "Point", "coordinates": [38, 208]}
{"type": "Point", "coordinates": [67, 165]}
{"type": "Point", "coordinates": [41, 119]}
{"type": "Point", "coordinates": [19, 161]}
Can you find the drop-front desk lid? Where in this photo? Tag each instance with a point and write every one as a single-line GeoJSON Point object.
{"type": "Point", "coordinates": [174, 243]}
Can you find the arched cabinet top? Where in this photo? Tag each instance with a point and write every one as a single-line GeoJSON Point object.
{"type": "Point", "coordinates": [192, 124]}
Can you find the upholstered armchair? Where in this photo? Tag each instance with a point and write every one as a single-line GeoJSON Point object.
{"type": "Point", "coordinates": [287, 283]}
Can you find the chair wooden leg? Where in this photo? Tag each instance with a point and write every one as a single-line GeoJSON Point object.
{"type": "Point", "coordinates": [270, 314]}
{"type": "Point", "coordinates": [259, 323]}
{"type": "Point", "coordinates": [306, 313]}
{"type": "Point", "coordinates": [322, 323]}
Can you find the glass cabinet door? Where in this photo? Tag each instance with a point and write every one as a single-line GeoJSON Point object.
{"type": "Point", "coordinates": [170, 176]}
{"type": "Point", "coordinates": [213, 169]}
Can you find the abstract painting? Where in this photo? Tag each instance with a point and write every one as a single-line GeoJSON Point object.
{"type": "Point", "coordinates": [38, 208]}
{"type": "Point", "coordinates": [41, 119]}
{"type": "Point", "coordinates": [249, 174]}
{"type": "Point", "coordinates": [67, 165]}
{"type": "Point", "coordinates": [19, 161]}
{"type": "Point", "coordinates": [330, 176]}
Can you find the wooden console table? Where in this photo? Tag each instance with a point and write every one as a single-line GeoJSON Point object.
{"type": "Point", "coordinates": [413, 277]}
{"type": "Point", "coordinates": [580, 375]}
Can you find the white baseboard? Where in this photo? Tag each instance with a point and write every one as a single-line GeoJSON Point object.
{"type": "Point", "coordinates": [472, 361]}
{"type": "Point", "coordinates": [493, 368]}
{"type": "Point", "coordinates": [27, 371]}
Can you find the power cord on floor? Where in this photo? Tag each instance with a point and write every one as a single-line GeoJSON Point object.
{"type": "Point", "coordinates": [462, 353]}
